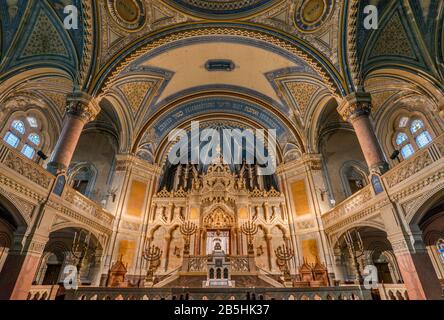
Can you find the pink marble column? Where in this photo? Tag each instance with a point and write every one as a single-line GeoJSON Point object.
{"type": "Point", "coordinates": [20, 268]}
{"type": "Point", "coordinates": [417, 271]}
{"type": "Point", "coordinates": [356, 109]}
{"type": "Point", "coordinates": [17, 276]}
{"type": "Point", "coordinates": [81, 109]}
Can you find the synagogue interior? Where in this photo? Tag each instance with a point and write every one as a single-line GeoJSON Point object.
{"type": "Point", "coordinates": [346, 98]}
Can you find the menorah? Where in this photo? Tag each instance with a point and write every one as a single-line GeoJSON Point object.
{"type": "Point", "coordinates": [187, 229]}
{"type": "Point", "coordinates": [284, 254]}
{"type": "Point", "coordinates": [81, 249]}
{"type": "Point", "coordinates": [152, 255]}
{"type": "Point", "coordinates": [355, 246]}
{"type": "Point", "coordinates": [250, 229]}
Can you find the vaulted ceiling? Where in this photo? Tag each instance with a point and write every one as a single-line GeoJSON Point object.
{"type": "Point", "coordinates": [139, 56]}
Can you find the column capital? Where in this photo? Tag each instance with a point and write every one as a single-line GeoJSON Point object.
{"type": "Point", "coordinates": [313, 161]}
{"type": "Point", "coordinates": [355, 105]}
{"type": "Point", "coordinates": [82, 105]}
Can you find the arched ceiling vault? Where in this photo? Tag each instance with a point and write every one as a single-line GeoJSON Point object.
{"type": "Point", "coordinates": [263, 37]}
{"type": "Point", "coordinates": [409, 37]}
{"type": "Point", "coordinates": [217, 106]}
{"type": "Point", "coordinates": [299, 58]}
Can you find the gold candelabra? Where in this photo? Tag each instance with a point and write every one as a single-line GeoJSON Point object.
{"type": "Point", "coordinates": [188, 229]}
{"type": "Point", "coordinates": [284, 254]}
{"type": "Point", "coordinates": [152, 254]}
{"type": "Point", "coordinates": [250, 229]}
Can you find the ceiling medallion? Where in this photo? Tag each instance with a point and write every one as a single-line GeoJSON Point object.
{"type": "Point", "coordinates": [129, 14]}
{"type": "Point", "coordinates": [311, 14]}
{"type": "Point", "coordinates": [221, 9]}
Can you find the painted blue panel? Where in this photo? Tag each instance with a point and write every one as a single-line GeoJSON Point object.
{"type": "Point", "coordinates": [192, 109]}
{"type": "Point", "coordinates": [377, 185]}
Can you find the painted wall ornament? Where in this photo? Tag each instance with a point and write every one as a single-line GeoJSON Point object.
{"type": "Point", "coordinates": [311, 14]}
{"type": "Point", "coordinates": [222, 9]}
{"type": "Point", "coordinates": [12, 8]}
{"type": "Point", "coordinates": [128, 14]}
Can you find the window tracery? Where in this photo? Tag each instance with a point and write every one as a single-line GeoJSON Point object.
{"type": "Point", "coordinates": [24, 134]}
{"type": "Point", "coordinates": [411, 135]}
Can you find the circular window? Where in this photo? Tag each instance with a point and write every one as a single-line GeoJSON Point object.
{"type": "Point", "coordinates": [128, 14]}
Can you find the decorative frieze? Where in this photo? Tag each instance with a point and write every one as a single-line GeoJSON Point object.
{"type": "Point", "coordinates": [408, 169]}
{"type": "Point", "coordinates": [28, 170]}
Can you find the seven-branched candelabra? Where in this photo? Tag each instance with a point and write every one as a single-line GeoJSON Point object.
{"type": "Point", "coordinates": [355, 246]}
{"type": "Point", "coordinates": [250, 229]}
{"type": "Point", "coordinates": [284, 254]}
{"type": "Point", "coordinates": [187, 229]}
{"type": "Point", "coordinates": [152, 254]}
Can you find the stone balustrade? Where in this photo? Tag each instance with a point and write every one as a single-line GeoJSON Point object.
{"type": "Point", "coordinates": [43, 292]}
{"type": "Point", "coordinates": [239, 264]}
{"type": "Point", "coordinates": [28, 185]}
{"type": "Point", "coordinates": [332, 293]}
{"type": "Point", "coordinates": [405, 184]}
{"type": "Point", "coordinates": [393, 292]}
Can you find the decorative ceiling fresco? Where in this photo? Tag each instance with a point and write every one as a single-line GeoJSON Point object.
{"type": "Point", "coordinates": [142, 57]}
{"type": "Point", "coordinates": [222, 9]}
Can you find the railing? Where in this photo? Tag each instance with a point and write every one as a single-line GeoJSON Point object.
{"type": "Point", "coordinates": [29, 184]}
{"type": "Point", "coordinates": [239, 264]}
{"type": "Point", "coordinates": [364, 203]}
{"type": "Point", "coordinates": [89, 207]}
{"type": "Point", "coordinates": [393, 292]}
{"type": "Point", "coordinates": [349, 206]}
{"type": "Point", "coordinates": [197, 263]}
{"type": "Point", "coordinates": [43, 292]}
{"type": "Point", "coordinates": [332, 293]}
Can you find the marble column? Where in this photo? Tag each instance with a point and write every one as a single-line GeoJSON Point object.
{"type": "Point", "coordinates": [21, 266]}
{"type": "Point", "coordinates": [417, 271]}
{"type": "Point", "coordinates": [411, 254]}
{"type": "Point", "coordinates": [81, 109]}
{"type": "Point", "coordinates": [338, 266]}
{"type": "Point", "coordinates": [356, 109]}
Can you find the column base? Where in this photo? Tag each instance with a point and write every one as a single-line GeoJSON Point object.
{"type": "Point", "coordinates": [17, 276]}
{"type": "Point", "coordinates": [419, 276]}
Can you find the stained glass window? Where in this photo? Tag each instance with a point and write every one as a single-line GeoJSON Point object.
{"type": "Point", "coordinates": [32, 122]}
{"type": "Point", "coordinates": [407, 151]}
{"type": "Point", "coordinates": [34, 138]}
{"type": "Point", "coordinates": [15, 137]}
{"type": "Point", "coordinates": [403, 122]}
{"type": "Point", "coordinates": [440, 247]}
{"type": "Point", "coordinates": [12, 139]}
{"type": "Point", "coordinates": [423, 139]}
{"type": "Point", "coordinates": [28, 151]}
{"type": "Point", "coordinates": [19, 126]}
{"type": "Point", "coordinates": [416, 126]}
{"type": "Point", "coordinates": [410, 130]}
{"type": "Point", "coordinates": [401, 138]}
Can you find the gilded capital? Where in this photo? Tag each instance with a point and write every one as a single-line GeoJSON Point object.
{"type": "Point", "coordinates": [355, 105]}
{"type": "Point", "coordinates": [83, 106]}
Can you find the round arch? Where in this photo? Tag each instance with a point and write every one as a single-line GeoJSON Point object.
{"type": "Point", "coordinates": [238, 104]}
{"type": "Point", "coordinates": [12, 215]}
{"type": "Point", "coordinates": [98, 238]}
{"type": "Point", "coordinates": [336, 238]}
{"type": "Point", "coordinates": [274, 40]}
